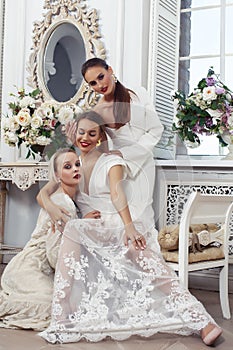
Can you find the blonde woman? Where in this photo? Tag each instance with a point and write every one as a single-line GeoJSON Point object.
{"type": "Point", "coordinates": [27, 281]}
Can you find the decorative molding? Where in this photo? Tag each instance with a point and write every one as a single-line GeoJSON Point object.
{"type": "Point", "coordinates": [182, 191]}
{"type": "Point", "coordinates": [23, 175]}
{"type": "Point", "coordinates": [176, 179]}
{"type": "Point", "coordinates": [86, 21]}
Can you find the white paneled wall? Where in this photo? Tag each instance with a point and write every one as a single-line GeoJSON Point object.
{"type": "Point", "coordinates": [19, 18]}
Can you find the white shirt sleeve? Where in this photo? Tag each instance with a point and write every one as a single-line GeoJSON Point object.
{"type": "Point", "coordinates": [146, 128]}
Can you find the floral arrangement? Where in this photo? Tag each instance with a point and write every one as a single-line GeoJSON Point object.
{"type": "Point", "coordinates": [37, 123]}
{"type": "Point", "coordinates": [208, 110]}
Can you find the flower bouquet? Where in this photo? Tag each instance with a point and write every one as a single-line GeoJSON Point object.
{"type": "Point", "coordinates": [39, 125]}
{"type": "Point", "coordinates": [208, 110]}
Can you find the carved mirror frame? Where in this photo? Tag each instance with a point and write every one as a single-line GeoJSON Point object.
{"type": "Point", "coordinates": [59, 12]}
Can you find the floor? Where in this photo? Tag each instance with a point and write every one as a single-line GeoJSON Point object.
{"type": "Point", "coordinates": [29, 340]}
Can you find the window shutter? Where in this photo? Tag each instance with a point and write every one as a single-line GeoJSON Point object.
{"type": "Point", "coordinates": [163, 67]}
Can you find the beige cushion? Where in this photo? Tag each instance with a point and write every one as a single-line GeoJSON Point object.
{"type": "Point", "coordinates": [207, 254]}
{"type": "Point", "coordinates": [168, 237]}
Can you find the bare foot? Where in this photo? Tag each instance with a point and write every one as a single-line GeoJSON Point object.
{"type": "Point", "coordinates": [210, 333]}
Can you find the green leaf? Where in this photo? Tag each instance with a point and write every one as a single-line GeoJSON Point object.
{"type": "Point", "coordinates": [34, 93]}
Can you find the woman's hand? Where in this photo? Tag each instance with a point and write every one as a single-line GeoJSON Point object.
{"type": "Point", "coordinates": [59, 216]}
{"type": "Point", "coordinates": [137, 239]}
{"type": "Point", "coordinates": [95, 214]}
{"type": "Point", "coordinates": [71, 131]}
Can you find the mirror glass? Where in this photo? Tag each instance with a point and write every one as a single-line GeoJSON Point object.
{"type": "Point", "coordinates": [63, 57]}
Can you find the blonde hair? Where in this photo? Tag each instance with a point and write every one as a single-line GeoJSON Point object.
{"type": "Point", "coordinates": [53, 163]}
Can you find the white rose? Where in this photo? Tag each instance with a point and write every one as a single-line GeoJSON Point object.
{"type": "Point", "coordinates": [43, 140]}
{"type": "Point", "coordinates": [209, 93]}
{"type": "Point", "coordinates": [50, 104]}
{"type": "Point", "coordinates": [65, 115]}
{"type": "Point", "coordinates": [27, 101]}
{"type": "Point", "coordinates": [10, 123]}
{"type": "Point", "coordinates": [13, 124]}
{"type": "Point", "coordinates": [23, 135]}
{"type": "Point", "coordinates": [44, 111]}
{"type": "Point", "coordinates": [36, 122]}
{"type": "Point", "coordinates": [10, 137]}
{"type": "Point", "coordinates": [23, 118]}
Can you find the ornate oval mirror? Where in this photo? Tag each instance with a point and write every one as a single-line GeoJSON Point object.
{"type": "Point", "coordinates": [61, 62]}
{"type": "Point", "coordinates": [62, 42]}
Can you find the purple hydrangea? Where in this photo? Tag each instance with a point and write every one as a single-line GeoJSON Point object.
{"type": "Point", "coordinates": [224, 119]}
{"type": "Point", "coordinates": [208, 122]}
{"type": "Point", "coordinates": [197, 128]}
{"type": "Point", "coordinates": [228, 109]}
{"type": "Point", "coordinates": [210, 81]}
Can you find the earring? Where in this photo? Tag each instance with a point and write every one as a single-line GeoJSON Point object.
{"type": "Point", "coordinates": [98, 143]}
{"type": "Point", "coordinates": [114, 78]}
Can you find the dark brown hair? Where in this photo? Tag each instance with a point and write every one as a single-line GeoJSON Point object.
{"type": "Point", "coordinates": [122, 99]}
{"type": "Point", "coordinates": [94, 117]}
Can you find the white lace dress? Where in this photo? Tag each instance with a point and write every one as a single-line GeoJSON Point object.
{"type": "Point", "coordinates": [27, 281]}
{"type": "Point", "coordinates": [103, 288]}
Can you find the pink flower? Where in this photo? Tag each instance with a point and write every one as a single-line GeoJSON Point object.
{"type": "Point", "coordinates": [219, 90]}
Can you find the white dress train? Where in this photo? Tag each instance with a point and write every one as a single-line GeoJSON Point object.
{"type": "Point", "coordinates": [27, 281]}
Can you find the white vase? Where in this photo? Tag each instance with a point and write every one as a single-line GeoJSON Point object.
{"type": "Point", "coordinates": [228, 138]}
{"type": "Point", "coordinates": [22, 153]}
